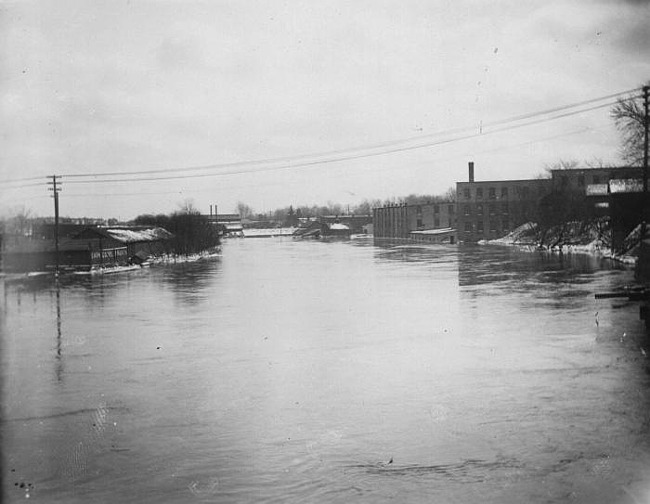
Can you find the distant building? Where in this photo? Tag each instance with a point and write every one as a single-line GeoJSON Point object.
{"type": "Point", "coordinates": [579, 179]}
{"type": "Point", "coordinates": [141, 241]}
{"type": "Point", "coordinates": [445, 235]}
{"type": "Point", "coordinates": [89, 248]}
{"type": "Point", "coordinates": [615, 192]}
{"type": "Point", "coordinates": [229, 225]}
{"type": "Point", "coordinates": [320, 228]}
{"type": "Point", "coordinates": [490, 209]}
{"type": "Point", "coordinates": [399, 221]}
{"type": "Point", "coordinates": [356, 223]}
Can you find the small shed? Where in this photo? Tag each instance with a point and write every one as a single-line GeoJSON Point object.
{"type": "Point", "coordinates": [442, 235]}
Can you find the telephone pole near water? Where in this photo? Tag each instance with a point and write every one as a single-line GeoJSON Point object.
{"type": "Point", "coordinates": [55, 189]}
{"type": "Point", "coordinates": [646, 125]}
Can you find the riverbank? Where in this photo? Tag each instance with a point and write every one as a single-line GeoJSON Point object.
{"type": "Point", "coordinates": [175, 259]}
{"type": "Point", "coordinates": [164, 259]}
{"type": "Point", "coordinates": [578, 237]}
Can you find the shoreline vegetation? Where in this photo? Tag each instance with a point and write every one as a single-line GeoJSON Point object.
{"type": "Point", "coordinates": [592, 236]}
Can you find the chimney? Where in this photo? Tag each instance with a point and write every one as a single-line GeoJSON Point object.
{"type": "Point", "coordinates": [471, 171]}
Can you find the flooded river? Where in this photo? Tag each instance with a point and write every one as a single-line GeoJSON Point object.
{"type": "Point", "coordinates": [296, 372]}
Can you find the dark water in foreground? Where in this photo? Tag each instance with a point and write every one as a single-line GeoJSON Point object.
{"type": "Point", "coordinates": [296, 371]}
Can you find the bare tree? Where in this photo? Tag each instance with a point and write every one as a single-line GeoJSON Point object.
{"type": "Point", "coordinates": [244, 210]}
{"type": "Point", "coordinates": [597, 162]}
{"type": "Point", "coordinates": [19, 222]}
{"type": "Point", "coordinates": [629, 118]}
{"type": "Point", "coordinates": [450, 194]}
{"type": "Point", "coordinates": [562, 164]}
{"type": "Point", "coordinates": [187, 207]}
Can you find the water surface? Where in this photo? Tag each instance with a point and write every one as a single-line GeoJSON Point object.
{"type": "Point", "coordinates": [328, 372]}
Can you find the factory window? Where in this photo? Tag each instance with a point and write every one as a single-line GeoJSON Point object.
{"type": "Point", "coordinates": [466, 209]}
{"type": "Point", "coordinates": [436, 222]}
{"type": "Point", "coordinates": [479, 227]}
{"type": "Point", "coordinates": [581, 180]}
{"type": "Point", "coordinates": [492, 193]}
{"type": "Point", "coordinates": [466, 193]}
{"type": "Point", "coordinates": [418, 210]}
{"type": "Point", "coordinates": [492, 208]}
{"type": "Point", "coordinates": [468, 227]}
{"type": "Point", "coordinates": [504, 192]}
{"type": "Point", "coordinates": [419, 223]}
{"type": "Point", "coordinates": [479, 209]}
{"type": "Point", "coordinates": [504, 208]}
{"type": "Point", "coordinates": [451, 209]}
{"type": "Point", "coordinates": [436, 208]}
{"type": "Point", "coordinates": [479, 193]}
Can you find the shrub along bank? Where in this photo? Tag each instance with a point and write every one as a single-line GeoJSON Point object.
{"type": "Point", "coordinates": [193, 233]}
{"type": "Point", "coordinates": [592, 236]}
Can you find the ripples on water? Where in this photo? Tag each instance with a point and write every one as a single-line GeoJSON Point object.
{"type": "Point", "coordinates": [328, 372]}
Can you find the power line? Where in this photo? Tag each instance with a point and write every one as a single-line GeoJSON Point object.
{"type": "Point", "coordinates": [380, 145]}
{"type": "Point", "coordinates": [383, 148]}
{"type": "Point", "coordinates": [239, 185]}
{"type": "Point", "coordinates": [36, 184]}
{"type": "Point", "coordinates": [340, 158]}
{"type": "Point", "coordinates": [26, 179]}
{"type": "Point", "coordinates": [102, 195]}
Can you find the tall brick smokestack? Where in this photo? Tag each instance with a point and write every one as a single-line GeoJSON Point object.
{"type": "Point", "coordinates": [471, 171]}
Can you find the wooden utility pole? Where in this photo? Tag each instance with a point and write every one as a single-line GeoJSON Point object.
{"type": "Point", "coordinates": [645, 207]}
{"type": "Point", "coordinates": [55, 189]}
{"type": "Point", "coordinates": [646, 125]}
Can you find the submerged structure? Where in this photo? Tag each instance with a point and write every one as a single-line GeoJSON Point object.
{"type": "Point", "coordinates": [92, 247]}
{"type": "Point", "coordinates": [320, 229]}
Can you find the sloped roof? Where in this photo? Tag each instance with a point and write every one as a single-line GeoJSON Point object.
{"type": "Point", "coordinates": [131, 235]}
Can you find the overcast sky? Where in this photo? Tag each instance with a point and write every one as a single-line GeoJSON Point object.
{"type": "Point", "coordinates": [130, 86]}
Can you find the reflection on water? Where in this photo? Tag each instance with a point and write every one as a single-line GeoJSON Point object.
{"type": "Point", "coordinates": [328, 372]}
{"type": "Point", "coordinates": [59, 340]}
{"type": "Point", "coordinates": [485, 265]}
{"type": "Point", "coordinates": [189, 281]}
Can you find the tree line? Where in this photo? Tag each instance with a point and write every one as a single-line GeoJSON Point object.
{"type": "Point", "coordinates": [193, 233]}
{"type": "Point", "coordinates": [290, 215]}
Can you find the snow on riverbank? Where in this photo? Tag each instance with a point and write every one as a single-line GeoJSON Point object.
{"type": "Point", "coordinates": [176, 259]}
{"type": "Point", "coordinates": [268, 232]}
{"type": "Point", "coordinates": [577, 237]}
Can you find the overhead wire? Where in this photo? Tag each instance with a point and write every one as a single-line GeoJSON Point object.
{"type": "Point", "coordinates": [240, 185]}
{"type": "Point", "coordinates": [288, 159]}
{"type": "Point", "coordinates": [340, 158]}
{"type": "Point", "coordinates": [379, 149]}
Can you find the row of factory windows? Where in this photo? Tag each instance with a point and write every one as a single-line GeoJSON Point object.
{"type": "Point", "coordinates": [493, 208]}
{"type": "Point", "coordinates": [492, 225]}
{"type": "Point", "coordinates": [436, 222]}
{"type": "Point", "coordinates": [595, 179]}
{"type": "Point", "coordinates": [436, 208]}
{"type": "Point", "coordinates": [523, 191]}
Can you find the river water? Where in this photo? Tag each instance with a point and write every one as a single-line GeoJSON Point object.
{"type": "Point", "coordinates": [296, 371]}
